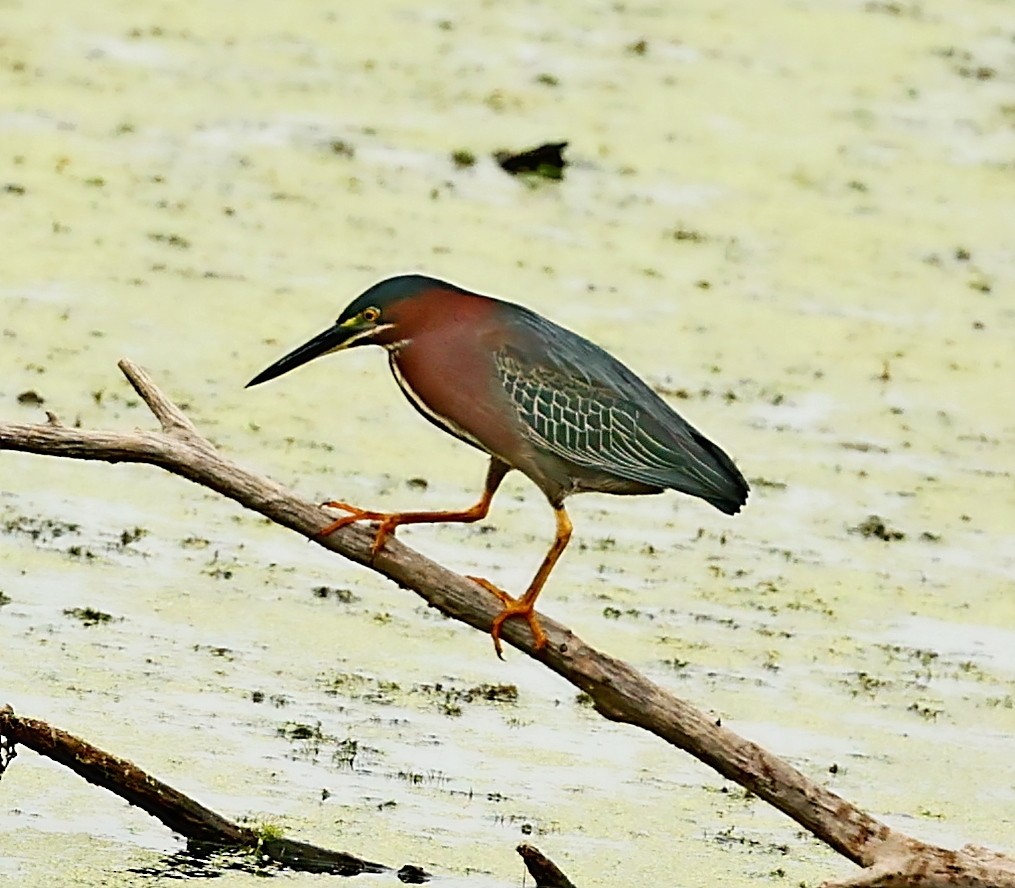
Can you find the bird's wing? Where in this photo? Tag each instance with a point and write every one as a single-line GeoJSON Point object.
{"type": "Point", "coordinates": [581, 404]}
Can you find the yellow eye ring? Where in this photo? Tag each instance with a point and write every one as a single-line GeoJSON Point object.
{"type": "Point", "coordinates": [370, 314]}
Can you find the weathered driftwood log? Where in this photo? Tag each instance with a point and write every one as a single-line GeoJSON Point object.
{"type": "Point", "coordinates": [202, 826]}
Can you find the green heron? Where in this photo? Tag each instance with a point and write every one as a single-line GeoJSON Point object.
{"type": "Point", "coordinates": [533, 397]}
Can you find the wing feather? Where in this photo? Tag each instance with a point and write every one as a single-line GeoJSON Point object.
{"type": "Point", "coordinates": [583, 405]}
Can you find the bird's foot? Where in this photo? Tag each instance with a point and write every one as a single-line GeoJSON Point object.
{"type": "Point", "coordinates": [387, 522]}
{"type": "Point", "coordinates": [513, 607]}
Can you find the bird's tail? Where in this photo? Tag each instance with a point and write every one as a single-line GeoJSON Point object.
{"type": "Point", "coordinates": [727, 489]}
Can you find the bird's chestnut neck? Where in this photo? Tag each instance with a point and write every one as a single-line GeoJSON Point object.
{"type": "Point", "coordinates": [431, 311]}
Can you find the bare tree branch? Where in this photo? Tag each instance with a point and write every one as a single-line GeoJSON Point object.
{"type": "Point", "coordinates": [177, 811]}
{"type": "Point", "coordinates": [619, 692]}
{"type": "Point", "coordinates": [545, 872]}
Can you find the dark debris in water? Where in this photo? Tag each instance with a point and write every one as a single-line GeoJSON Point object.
{"type": "Point", "coordinates": [863, 447]}
{"type": "Point", "coordinates": [31, 398]}
{"type": "Point", "coordinates": [875, 526]}
{"type": "Point", "coordinates": [680, 233]}
{"type": "Point", "coordinates": [196, 863]}
{"type": "Point", "coordinates": [301, 731]}
{"type": "Point", "coordinates": [39, 529]}
{"type": "Point", "coordinates": [545, 161]}
{"type": "Point", "coordinates": [341, 595]}
{"type": "Point", "coordinates": [89, 616]}
{"type": "Point", "coordinates": [173, 240]}
{"type": "Point", "coordinates": [355, 686]}
{"type": "Point", "coordinates": [732, 836]}
{"type": "Point", "coordinates": [273, 857]}
{"type": "Point", "coordinates": [744, 390]}
{"type": "Point", "coordinates": [463, 158]}
{"type": "Point", "coordinates": [81, 552]}
{"type": "Point", "coordinates": [310, 741]}
{"type": "Point", "coordinates": [413, 875]}
{"type": "Point", "coordinates": [758, 481]}
{"type": "Point", "coordinates": [131, 535]}
{"type": "Point", "coordinates": [450, 699]}
{"type": "Point", "coordinates": [341, 148]}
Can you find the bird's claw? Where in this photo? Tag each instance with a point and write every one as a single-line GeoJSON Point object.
{"type": "Point", "coordinates": [513, 607]}
{"type": "Point", "coordinates": [386, 523]}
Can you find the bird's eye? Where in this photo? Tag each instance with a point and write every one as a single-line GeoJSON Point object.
{"type": "Point", "coordinates": [371, 314]}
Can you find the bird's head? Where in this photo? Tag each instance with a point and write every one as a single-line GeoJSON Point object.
{"type": "Point", "coordinates": [372, 318]}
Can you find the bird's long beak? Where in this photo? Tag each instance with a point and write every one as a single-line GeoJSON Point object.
{"type": "Point", "coordinates": [331, 340]}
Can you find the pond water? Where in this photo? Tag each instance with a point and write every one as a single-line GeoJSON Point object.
{"type": "Point", "coordinates": [795, 224]}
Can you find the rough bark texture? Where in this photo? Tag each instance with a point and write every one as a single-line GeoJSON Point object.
{"type": "Point", "coordinates": [619, 692]}
{"type": "Point", "coordinates": [179, 812]}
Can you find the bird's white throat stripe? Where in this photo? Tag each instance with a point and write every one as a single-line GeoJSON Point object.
{"type": "Point", "coordinates": [363, 335]}
{"type": "Point", "coordinates": [423, 408]}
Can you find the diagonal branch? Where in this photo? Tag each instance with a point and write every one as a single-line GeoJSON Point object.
{"type": "Point", "coordinates": [179, 812]}
{"type": "Point", "coordinates": [619, 692]}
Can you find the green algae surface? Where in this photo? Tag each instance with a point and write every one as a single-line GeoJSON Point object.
{"type": "Point", "coordinates": [796, 224]}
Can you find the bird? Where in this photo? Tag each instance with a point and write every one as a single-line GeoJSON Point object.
{"type": "Point", "coordinates": [534, 397]}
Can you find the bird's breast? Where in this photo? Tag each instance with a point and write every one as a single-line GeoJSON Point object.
{"type": "Point", "coordinates": [451, 380]}
{"type": "Point", "coordinates": [423, 406]}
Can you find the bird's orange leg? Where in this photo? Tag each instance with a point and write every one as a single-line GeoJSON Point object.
{"type": "Point", "coordinates": [388, 521]}
{"type": "Point", "coordinates": [525, 606]}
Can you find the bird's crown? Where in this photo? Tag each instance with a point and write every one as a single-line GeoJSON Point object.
{"type": "Point", "coordinates": [386, 293]}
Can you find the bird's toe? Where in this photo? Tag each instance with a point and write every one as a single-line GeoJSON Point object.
{"type": "Point", "coordinates": [355, 514]}
{"type": "Point", "coordinates": [496, 591]}
{"type": "Point", "coordinates": [513, 607]}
